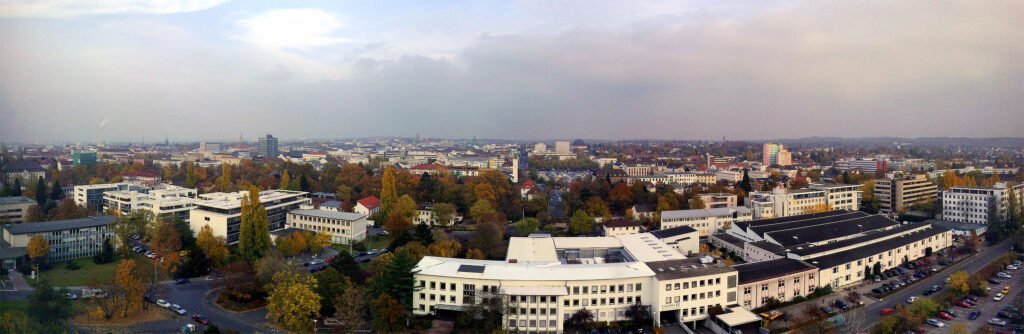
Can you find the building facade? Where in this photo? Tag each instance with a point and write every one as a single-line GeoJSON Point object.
{"type": "Point", "coordinates": [12, 209]}
{"type": "Point", "coordinates": [268, 147]}
{"type": "Point", "coordinates": [27, 172]}
{"type": "Point", "coordinates": [980, 205]}
{"type": "Point", "coordinates": [164, 201]}
{"type": "Point", "coordinates": [706, 221]}
{"type": "Point", "coordinates": [68, 239]}
{"type": "Point", "coordinates": [776, 154]}
{"type": "Point", "coordinates": [900, 194]}
{"type": "Point", "coordinates": [344, 227]}
{"type": "Point", "coordinates": [91, 196]}
{"type": "Point", "coordinates": [223, 211]}
{"type": "Point", "coordinates": [782, 279]}
{"type": "Point", "coordinates": [782, 202]}
{"type": "Point", "coordinates": [718, 200]}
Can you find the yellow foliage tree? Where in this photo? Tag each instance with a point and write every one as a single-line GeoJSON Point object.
{"type": "Point", "coordinates": [292, 301]}
{"type": "Point", "coordinates": [958, 282]}
{"type": "Point", "coordinates": [125, 279]}
{"type": "Point", "coordinates": [214, 247]}
{"type": "Point", "coordinates": [445, 248]}
{"type": "Point", "coordinates": [38, 248]}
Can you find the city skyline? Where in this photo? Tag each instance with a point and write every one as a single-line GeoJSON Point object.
{"type": "Point", "coordinates": [520, 71]}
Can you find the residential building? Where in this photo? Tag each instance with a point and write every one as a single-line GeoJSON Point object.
{"type": "Point", "coordinates": [163, 201]}
{"type": "Point", "coordinates": [781, 279]}
{"type": "Point", "coordinates": [840, 196]}
{"type": "Point", "coordinates": [718, 200]}
{"type": "Point", "coordinates": [866, 166]}
{"type": "Point", "coordinates": [900, 194]}
{"type": "Point", "coordinates": [545, 280]}
{"type": "Point", "coordinates": [776, 154]}
{"type": "Point", "coordinates": [13, 209]}
{"type": "Point", "coordinates": [729, 176]}
{"type": "Point", "coordinates": [644, 211]}
{"type": "Point", "coordinates": [68, 239]}
{"type": "Point", "coordinates": [782, 202]}
{"type": "Point", "coordinates": [28, 171]}
{"type": "Point", "coordinates": [268, 147]}
{"type": "Point", "coordinates": [344, 227]}
{"type": "Point", "coordinates": [425, 215]}
{"type": "Point", "coordinates": [368, 205]}
{"type": "Point", "coordinates": [79, 157]}
{"type": "Point", "coordinates": [563, 147]}
{"type": "Point", "coordinates": [616, 227]}
{"type": "Point", "coordinates": [706, 221]}
{"type": "Point", "coordinates": [223, 211]}
{"type": "Point", "coordinates": [980, 205]}
{"type": "Point", "coordinates": [91, 196]}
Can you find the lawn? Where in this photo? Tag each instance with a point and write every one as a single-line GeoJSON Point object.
{"type": "Point", "coordinates": [90, 272]}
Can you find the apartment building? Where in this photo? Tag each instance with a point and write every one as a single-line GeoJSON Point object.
{"type": "Point", "coordinates": [425, 215]}
{"type": "Point", "coordinates": [544, 280]}
{"type": "Point", "coordinates": [899, 194]}
{"type": "Point", "coordinates": [776, 154]}
{"type": "Point", "coordinates": [91, 196]}
{"type": "Point", "coordinates": [223, 211]}
{"type": "Point", "coordinates": [68, 239]}
{"type": "Point", "coordinates": [616, 227]}
{"type": "Point", "coordinates": [840, 196]}
{"type": "Point", "coordinates": [267, 147]}
{"type": "Point", "coordinates": [163, 201]}
{"type": "Point", "coordinates": [718, 200]}
{"type": "Point", "coordinates": [706, 221]}
{"type": "Point", "coordinates": [866, 166]}
{"type": "Point", "coordinates": [688, 178]}
{"type": "Point", "coordinates": [782, 202]}
{"type": "Point", "coordinates": [12, 209]}
{"type": "Point", "coordinates": [344, 227]}
{"type": "Point", "coordinates": [27, 171]}
{"type": "Point", "coordinates": [729, 176]}
{"type": "Point", "coordinates": [782, 279]}
{"type": "Point", "coordinates": [980, 205]}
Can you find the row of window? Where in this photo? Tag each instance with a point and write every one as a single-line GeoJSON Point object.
{"type": "Point", "coordinates": [606, 288]}
{"type": "Point", "coordinates": [628, 300]}
{"type": "Point", "coordinates": [694, 296]}
{"type": "Point", "coordinates": [687, 285]}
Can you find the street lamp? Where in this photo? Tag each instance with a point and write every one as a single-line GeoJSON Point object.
{"type": "Point", "coordinates": [314, 325]}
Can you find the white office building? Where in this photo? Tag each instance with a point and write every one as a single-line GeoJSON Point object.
{"type": "Point", "coordinates": [344, 227]}
{"type": "Point", "coordinates": [163, 201]}
{"type": "Point", "coordinates": [705, 221]}
{"type": "Point", "coordinates": [223, 211]}
{"type": "Point", "coordinates": [980, 205]}
{"type": "Point", "coordinates": [91, 196]}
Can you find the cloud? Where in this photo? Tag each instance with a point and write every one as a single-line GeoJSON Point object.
{"type": "Point", "coordinates": [291, 29]}
{"type": "Point", "coordinates": [72, 8]}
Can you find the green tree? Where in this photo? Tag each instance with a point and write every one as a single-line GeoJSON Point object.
{"type": "Point", "coordinates": [396, 278]}
{"type": "Point", "coordinates": [41, 192]}
{"type": "Point", "coordinates": [17, 188]}
{"type": "Point", "coordinates": [188, 237]}
{"type": "Point", "coordinates": [483, 211]}
{"type": "Point", "coordinates": [190, 174]}
{"type": "Point", "coordinates": [47, 305]}
{"type": "Point", "coordinates": [745, 183]}
{"type": "Point", "coordinates": [581, 223]}
{"type": "Point", "coordinates": [877, 269]}
{"type": "Point", "coordinates": [57, 192]}
{"type": "Point", "coordinates": [329, 286]}
{"type": "Point", "coordinates": [253, 234]}
{"type": "Point", "coordinates": [404, 207]}
{"type": "Point", "coordinates": [346, 265]}
{"type": "Point", "coordinates": [443, 213]}
{"type": "Point", "coordinates": [924, 306]}
{"type": "Point", "coordinates": [388, 194]}
{"type": "Point", "coordinates": [224, 181]}
{"type": "Point", "coordinates": [526, 226]}
{"type": "Point", "coordinates": [292, 301]}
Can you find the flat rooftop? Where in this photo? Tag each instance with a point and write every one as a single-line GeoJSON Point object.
{"type": "Point", "coordinates": [834, 230]}
{"type": "Point", "coordinates": [684, 268]}
{"type": "Point", "coordinates": [804, 250]}
{"type": "Point", "coordinates": [550, 271]}
{"type": "Point", "coordinates": [58, 225]}
{"type": "Point", "coordinates": [330, 214]}
{"type": "Point", "coordinates": [761, 230]}
{"type": "Point", "coordinates": [671, 232]}
{"type": "Point", "coordinates": [16, 200]}
{"type": "Point", "coordinates": [832, 260]}
{"type": "Point", "coordinates": [233, 200]}
{"type": "Point", "coordinates": [780, 220]}
{"type": "Point", "coordinates": [701, 213]}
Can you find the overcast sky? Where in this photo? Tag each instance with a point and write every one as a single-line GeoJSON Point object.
{"type": "Point", "coordinates": [73, 71]}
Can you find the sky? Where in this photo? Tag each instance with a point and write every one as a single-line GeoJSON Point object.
{"type": "Point", "coordinates": [118, 70]}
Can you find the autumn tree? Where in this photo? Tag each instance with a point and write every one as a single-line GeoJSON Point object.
{"type": "Point", "coordinates": [129, 286]}
{"type": "Point", "coordinates": [351, 307]}
{"type": "Point", "coordinates": [38, 248]}
{"type": "Point", "coordinates": [581, 223]}
{"type": "Point", "coordinates": [488, 238]}
{"type": "Point", "coordinates": [214, 247]}
{"type": "Point", "coordinates": [958, 282]}
{"type": "Point", "coordinates": [483, 211]}
{"type": "Point", "coordinates": [405, 207]}
{"type": "Point", "coordinates": [286, 181]}
{"type": "Point", "coordinates": [388, 194]}
{"type": "Point", "coordinates": [388, 314]}
{"type": "Point", "coordinates": [166, 244]}
{"type": "Point", "coordinates": [292, 301]}
{"type": "Point", "coordinates": [444, 248]}
{"type": "Point", "coordinates": [443, 213]}
{"type": "Point", "coordinates": [697, 203]}
{"type": "Point", "coordinates": [224, 181]}
{"type": "Point", "coordinates": [526, 226]}
{"type": "Point", "coordinates": [253, 235]}
{"type": "Point", "coordinates": [397, 224]}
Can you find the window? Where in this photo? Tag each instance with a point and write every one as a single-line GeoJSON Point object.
{"type": "Point", "coordinates": [638, 287]}
{"type": "Point", "coordinates": [586, 289]}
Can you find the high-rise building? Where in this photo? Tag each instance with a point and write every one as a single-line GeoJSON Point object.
{"type": "Point", "coordinates": [83, 158]}
{"type": "Point", "coordinates": [268, 147]}
{"type": "Point", "coordinates": [213, 147]}
{"type": "Point", "coordinates": [980, 205]}
{"type": "Point", "coordinates": [562, 147]}
{"type": "Point", "coordinates": [899, 194]}
{"type": "Point", "coordinates": [776, 154]}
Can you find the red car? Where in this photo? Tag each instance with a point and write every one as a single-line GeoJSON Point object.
{"type": "Point", "coordinates": [963, 304]}
{"type": "Point", "coordinates": [945, 316]}
{"type": "Point", "coordinates": [201, 319]}
{"type": "Point", "coordinates": [888, 311]}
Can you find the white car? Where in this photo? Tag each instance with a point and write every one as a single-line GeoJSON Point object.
{"type": "Point", "coordinates": [163, 303]}
{"type": "Point", "coordinates": [178, 309]}
{"type": "Point", "coordinates": [1004, 274]}
{"type": "Point", "coordinates": [316, 262]}
{"type": "Point", "coordinates": [1012, 267]}
{"type": "Point", "coordinates": [998, 297]}
{"type": "Point", "coordinates": [911, 300]}
{"type": "Point", "coordinates": [936, 322]}
{"type": "Point", "coordinates": [997, 322]}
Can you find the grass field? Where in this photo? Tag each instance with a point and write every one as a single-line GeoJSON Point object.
{"type": "Point", "coordinates": [92, 272]}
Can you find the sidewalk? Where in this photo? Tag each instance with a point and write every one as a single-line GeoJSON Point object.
{"type": "Point", "coordinates": [19, 281]}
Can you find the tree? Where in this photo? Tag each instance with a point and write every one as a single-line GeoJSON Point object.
{"type": "Point", "coordinates": [286, 181]}
{"type": "Point", "coordinates": [816, 321]}
{"type": "Point", "coordinates": [475, 254]}
{"type": "Point", "coordinates": [129, 286]}
{"type": "Point", "coordinates": [924, 306]}
{"type": "Point", "coordinates": [396, 277]}
{"type": "Point", "coordinates": [166, 244]}
{"type": "Point", "coordinates": [351, 307]}
{"type": "Point", "coordinates": [405, 207]}
{"type": "Point", "coordinates": [958, 282]}
{"type": "Point", "coordinates": [224, 181]}
{"type": "Point", "coordinates": [48, 306]}
{"type": "Point", "coordinates": [292, 301]}
{"type": "Point", "coordinates": [34, 213]}
{"type": "Point", "coordinates": [489, 239]}
{"type": "Point", "coordinates": [57, 192]}
{"type": "Point", "coordinates": [423, 234]}
{"type": "Point", "coordinates": [269, 265]}
{"type": "Point", "coordinates": [397, 224]}
{"type": "Point", "coordinates": [580, 320]}
{"type": "Point", "coordinates": [304, 183]}
{"type": "Point", "coordinates": [597, 208]}
{"type": "Point", "coordinates": [443, 213]}
{"type": "Point", "coordinates": [483, 211]}
{"type": "Point", "coordinates": [214, 247]}
{"type": "Point", "coordinates": [526, 226]}
{"type": "Point", "coordinates": [444, 248]}
{"type": "Point", "coordinates": [388, 314]}
{"type": "Point", "coordinates": [346, 265]}
{"type": "Point", "coordinates": [745, 183]}
{"type": "Point", "coordinates": [388, 194]}
{"type": "Point", "coordinates": [581, 223]}
{"type": "Point", "coordinates": [41, 192]}
{"type": "Point", "coordinates": [38, 248]}
{"type": "Point", "coordinates": [17, 188]}
{"type": "Point", "coordinates": [697, 203]}
{"type": "Point", "coordinates": [639, 314]}
{"type": "Point", "coordinates": [329, 286]}
{"type": "Point", "coordinates": [319, 241]}
{"type": "Point", "coordinates": [253, 235]}
{"type": "Point", "coordinates": [106, 254]}
{"type": "Point", "coordinates": [877, 269]}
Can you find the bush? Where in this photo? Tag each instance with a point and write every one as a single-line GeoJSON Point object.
{"type": "Point", "coordinates": [71, 265]}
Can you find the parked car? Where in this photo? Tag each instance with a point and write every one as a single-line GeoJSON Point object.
{"type": "Point", "coordinates": [200, 319]}
{"type": "Point", "coordinates": [888, 311]}
{"type": "Point", "coordinates": [878, 278]}
{"type": "Point", "coordinates": [1012, 267]}
{"type": "Point", "coordinates": [972, 298]}
{"type": "Point", "coordinates": [181, 281]}
{"type": "Point", "coordinates": [945, 316]}
{"type": "Point", "coordinates": [997, 322]}
{"type": "Point", "coordinates": [936, 322]}
{"type": "Point", "coordinates": [841, 304]}
{"type": "Point", "coordinates": [178, 309]}
{"type": "Point", "coordinates": [994, 281]}
{"type": "Point", "coordinates": [950, 312]}
{"type": "Point", "coordinates": [71, 296]}
{"type": "Point", "coordinates": [162, 303]}
{"type": "Point", "coordinates": [963, 304]}
{"type": "Point", "coordinates": [998, 297]}
{"type": "Point", "coordinates": [316, 262]}
{"type": "Point", "coordinates": [877, 290]}
{"type": "Point", "coordinates": [1004, 274]}
{"type": "Point", "coordinates": [973, 315]}
{"type": "Point", "coordinates": [827, 310]}
{"type": "Point", "coordinates": [1003, 314]}
{"type": "Point", "coordinates": [1006, 290]}
{"type": "Point", "coordinates": [912, 299]}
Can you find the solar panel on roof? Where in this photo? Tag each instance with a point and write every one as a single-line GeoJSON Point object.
{"type": "Point", "coordinates": [469, 268]}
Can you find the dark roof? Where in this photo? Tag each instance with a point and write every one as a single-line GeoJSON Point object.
{"type": "Point", "coordinates": [644, 208]}
{"type": "Point", "coordinates": [23, 165]}
{"type": "Point", "coordinates": [830, 231]}
{"type": "Point", "coordinates": [469, 268]}
{"type": "Point", "coordinates": [620, 223]}
{"type": "Point", "coordinates": [762, 229]}
{"type": "Point", "coordinates": [768, 246]}
{"type": "Point", "coordinates": [779, 220]}
{"type": "Point", "coordinates": [671, 232]}
{"type": "Point", "coordinates": [759, 271]}
{"type": "Point", "coordinates": [8, 252]}
{"type": "Point", "coordinates": [676, 269]}
{"type": "Point", "coordinates": [730, 239]}
{"type": "Point", "coordinates": [16, 200]}
{"type": "Point", "coordinates": [58, 225]}
{"type": "Point", "coordinates": [810, 249]}
{"type": "Point", "coordinates": [835, 259]}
